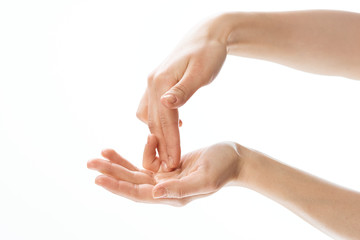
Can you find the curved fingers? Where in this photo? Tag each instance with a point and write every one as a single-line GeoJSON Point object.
{"type": "Point", "coordinates": [119, 172]}
{"type": "Point", "coordinates": [156, 129]}
{"type": "Point", "coordinates": [135, 192]}
{"type": "Point", "coordinates": [164, 122]}
{"type": "Point", "coordinates": [114, 157]}
{"type": "Point", "coordinates": [150, 160]}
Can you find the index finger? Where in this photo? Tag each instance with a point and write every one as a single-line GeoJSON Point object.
{"type": "Point", "coordinates": [169, 120]}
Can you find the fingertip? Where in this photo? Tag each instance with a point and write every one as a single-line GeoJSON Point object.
{"type": "Point", "coordinates": [152, 138]}
{"type": "Point", "coordinates": [100, 180]}
{"type": "Point", "coordinates": [152, 167]}
{"type": "Point", "coordinates": [90, 164]}
{"type": "Point", "coordinates": [169, 101]}
{"type": "Point", "coordinates": [150, 160]}
{"type": "Point", "coordinates": [107, 152]}
{"type": "Point", "coordinates": [151, 143]}
{"type": "Point", "coordinates": [169, 98]}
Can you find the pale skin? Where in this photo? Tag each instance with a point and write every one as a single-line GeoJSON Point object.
{"type": "Point", "coordinates": [322, 42]}
{"type": "Point", "coordinates": [330, 208]}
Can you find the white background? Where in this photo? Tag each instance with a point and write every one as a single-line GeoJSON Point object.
{"type": "Point", "coordinates": [71, 76]}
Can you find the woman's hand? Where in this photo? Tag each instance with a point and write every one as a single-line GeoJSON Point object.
{"type": "Point", "coordinates": [200, 174]}
{"type": "Point", "coordinates": [194, 63]}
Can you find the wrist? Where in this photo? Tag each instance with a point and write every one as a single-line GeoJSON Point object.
{"type": "Point", "coordinates": [220, 27]}
{"type": "Point", "coordinates": [250, 164]}
{"type": "Point", "coordinates": [243, 166]}
{"type": "Point", "coordinates": [245, 33]}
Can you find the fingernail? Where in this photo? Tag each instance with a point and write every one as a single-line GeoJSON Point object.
{"type": "Point", "coordinates": [170, 98]}
{"type": "Point", "coordinates": [160, 193]}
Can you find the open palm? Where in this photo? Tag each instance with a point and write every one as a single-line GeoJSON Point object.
{"type": "Point", "coordinates": [200, 173]}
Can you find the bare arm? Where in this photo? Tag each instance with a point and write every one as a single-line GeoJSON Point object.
{"type": "Point", "coordinates": [318, 41]}
{"type": "Point", "coordinates": [323, 42]}
{"type": "Point", "coordinates": [328, 207]}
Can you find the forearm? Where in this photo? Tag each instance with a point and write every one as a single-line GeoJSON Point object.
{"type": "Point", "coordinates": [322, 42]}
{"type": "Point", "coordinates": [330, 208]}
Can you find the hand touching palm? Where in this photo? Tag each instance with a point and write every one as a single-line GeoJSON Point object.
{"type": "Point", "coordinates": [194, 63]}
{"type": "Point", "coordinates": [200, 173]}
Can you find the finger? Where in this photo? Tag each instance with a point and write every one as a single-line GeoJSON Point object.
{"type": "Point", "coordinates": [156, 129]}
{"type": "Point", "coordinates": [163, 123]}
{"type": "Point", "coordinates": [142, 111]}
{"type": "Point", "coordinates": [114, 157]}
{"type": "Point", "coordinates": [180, 123]}
{"type": "Point", "coordinates": [135, 192]}
{"type": "Point", "coordinates": [169, 119]}
{"type": "Point", "coordinates": [188, 186]}
{"type": "Point", "coordinates": [150, 160]}
{"type": "Point", "coordinates": [180, 93]}
{"type": "Point", "coordinates": [119, 172]}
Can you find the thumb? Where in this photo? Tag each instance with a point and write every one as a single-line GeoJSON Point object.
{"type": "Point", "coordinates": [181, 188]}
{"type": "Point", "coordinates": [180, 93]}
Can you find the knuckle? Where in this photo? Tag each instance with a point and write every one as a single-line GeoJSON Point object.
{"type": "Point", "coordinates": [158, 78]}
{"type": "Point", "coordinates": [140, 115]}
{"type": "Point", "coordinates": [162, 76]}
{"type": "Point", "coordinates": [152, 125]}
{"type": "Point", "coordinates": [181, 90]}
{"type": "Point", "coordinates": [135, 191]}
{"type": "Point", "coordinates": [109, 168]}
{"type": "Point", "coordinates": [150, 78]}
{"type": "Point", "coordinates": [163, 121]}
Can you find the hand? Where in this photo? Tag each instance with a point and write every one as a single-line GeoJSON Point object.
{"type": "Point", "coordinates": [200, 174]}
{"type": "Point", "coordinates": [193, 64]}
